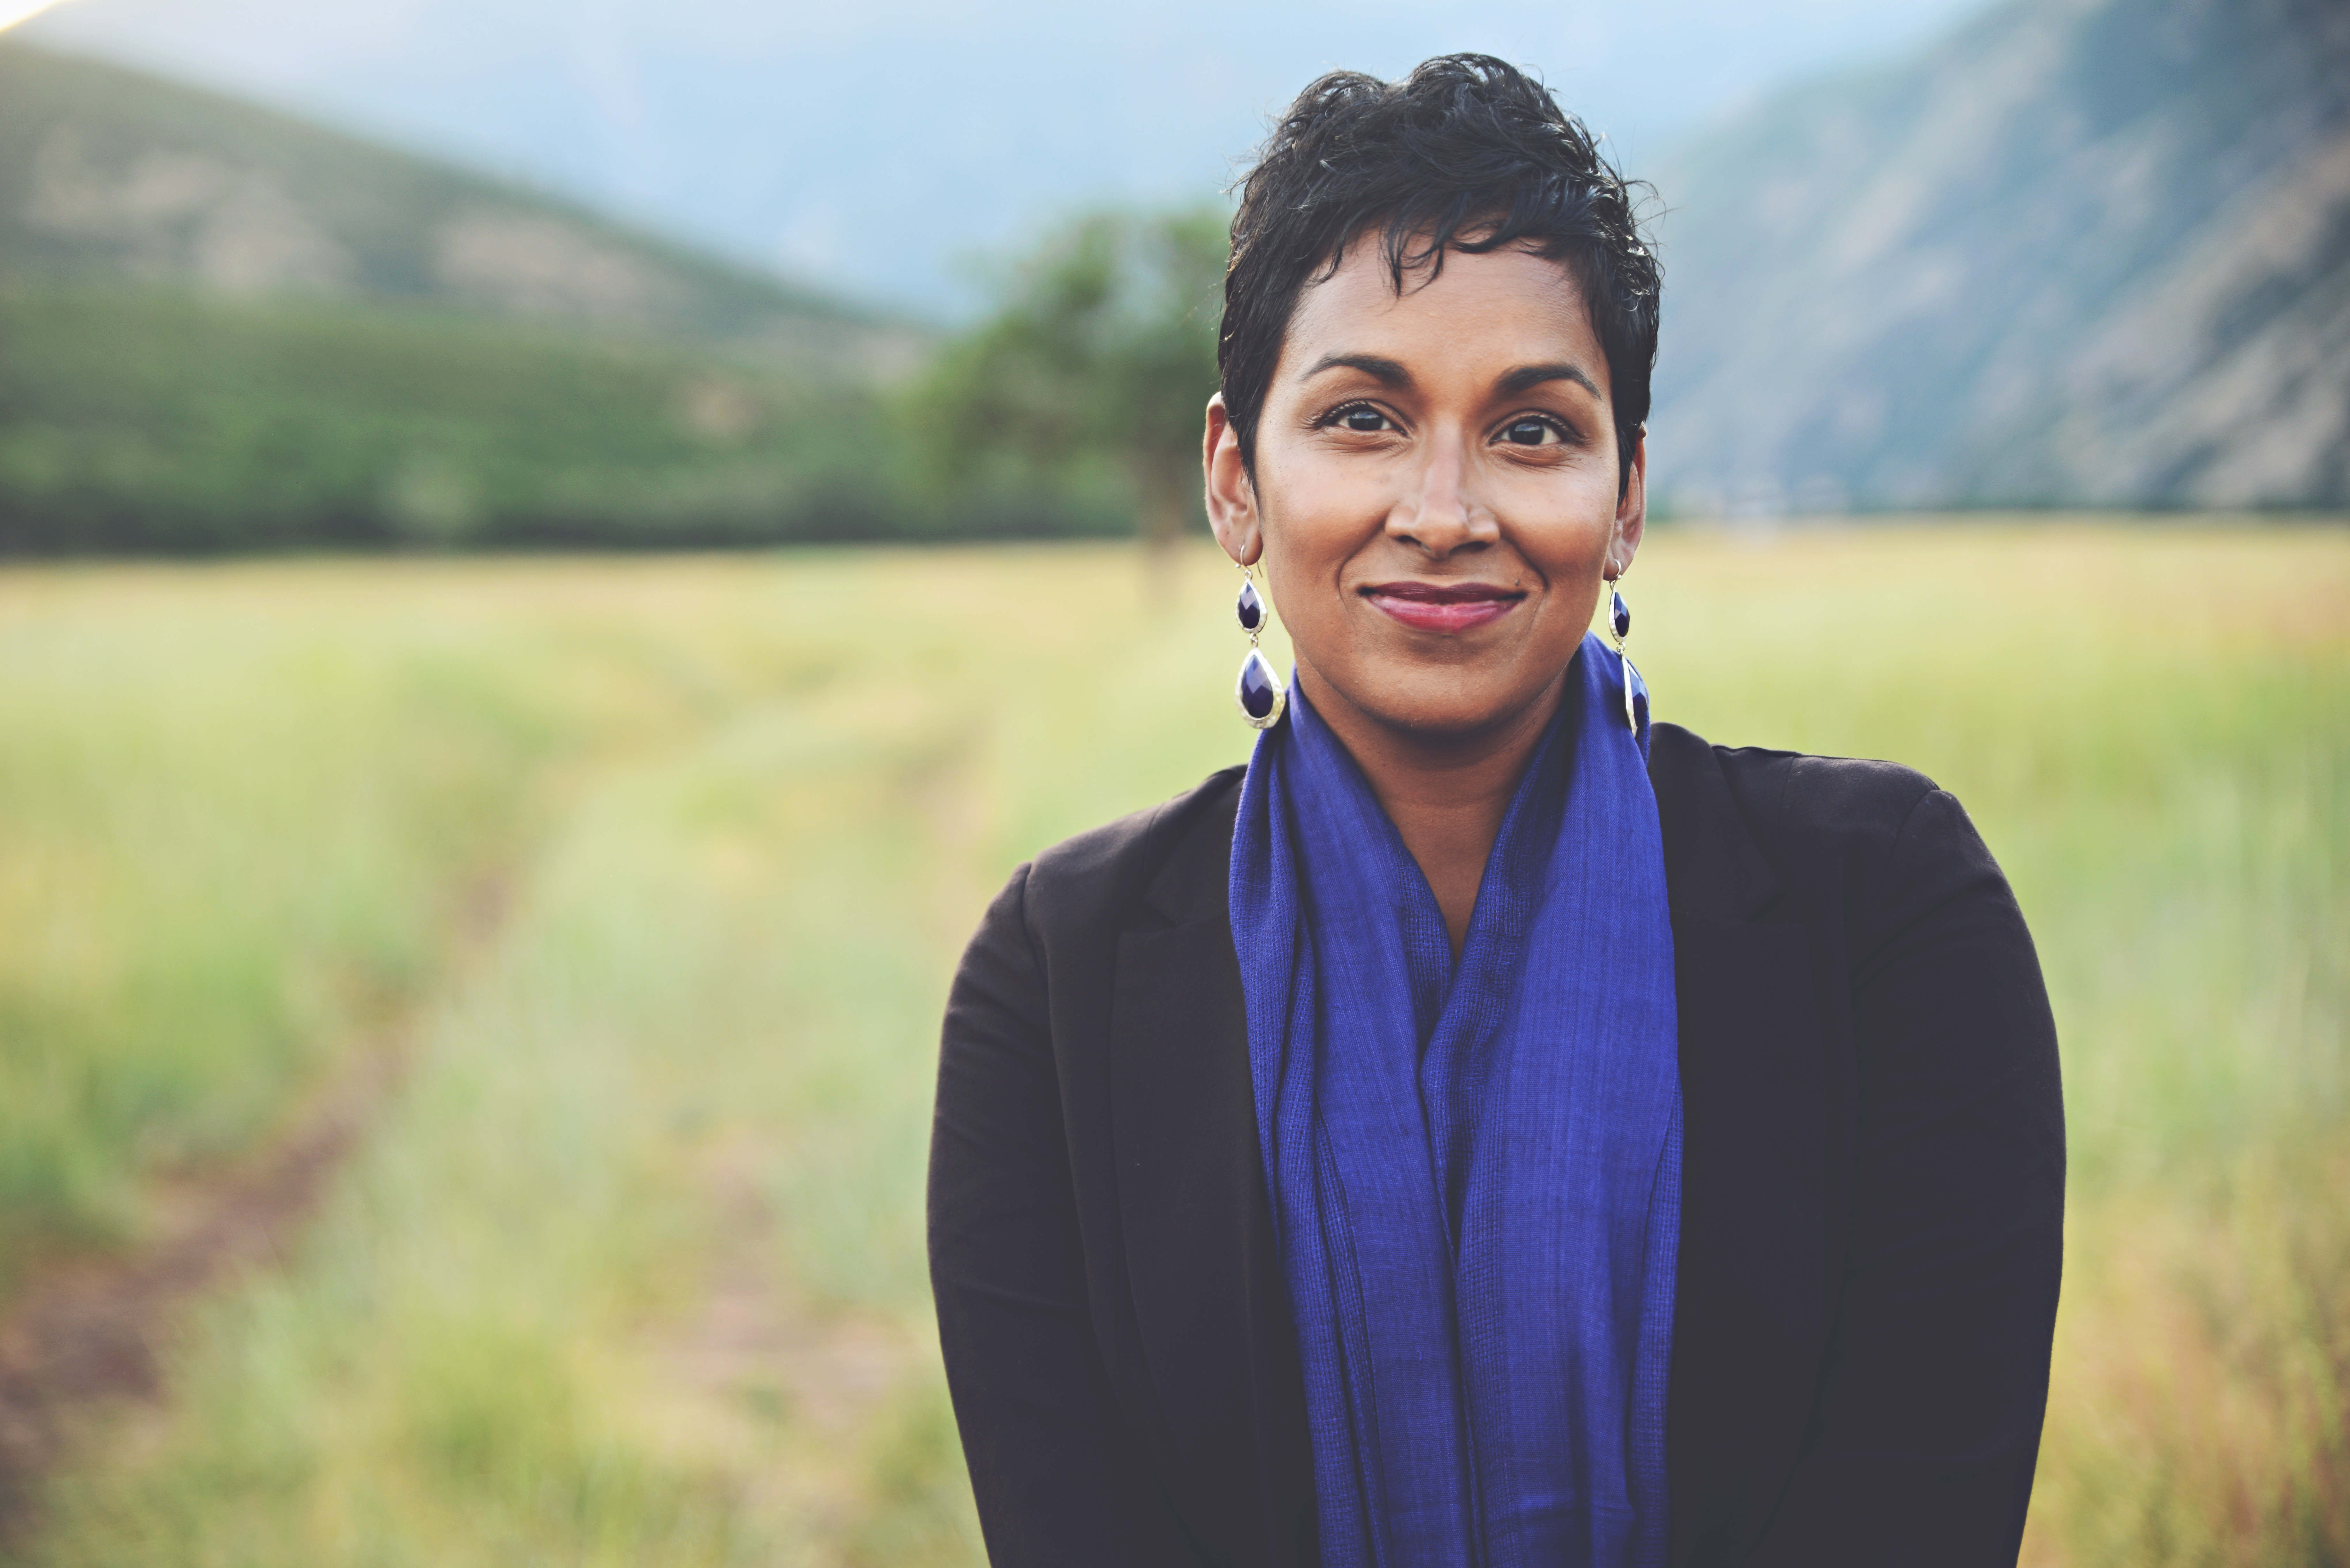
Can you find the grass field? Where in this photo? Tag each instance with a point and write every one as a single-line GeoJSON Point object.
{"type": "Point", "coordinates": [629, 1269]}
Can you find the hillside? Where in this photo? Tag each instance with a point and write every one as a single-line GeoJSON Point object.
{"type": "Point", "coordinates": [109, 172]}
{"type": "Point", "coordinates": [159, 421]}
{"type": "Point", "coordinates": [224, 329]}
{"type": "Point", "coordinates": [2085, 252]}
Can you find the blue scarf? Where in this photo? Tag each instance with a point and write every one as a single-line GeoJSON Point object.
{"type": "Point", "coordinates": [1475, 1168]}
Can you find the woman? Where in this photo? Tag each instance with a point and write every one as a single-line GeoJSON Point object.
{"type": "Point", "coordinates": [1488, 1129]}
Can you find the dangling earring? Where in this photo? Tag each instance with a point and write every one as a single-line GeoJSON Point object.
{"type": "Point", "coordinates": [1258, 690]}
{"type": "Point", "coordinates": [1619, 627]}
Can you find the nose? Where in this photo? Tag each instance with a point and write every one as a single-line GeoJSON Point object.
{"type": "Point", "coordinates": [1439, 511]}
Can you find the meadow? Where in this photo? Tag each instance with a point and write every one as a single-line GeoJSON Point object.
{"type": "Point", "coordinates": [649, 873]}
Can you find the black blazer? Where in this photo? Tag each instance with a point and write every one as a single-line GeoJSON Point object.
{"type": "Point", "coordinates": [1872, 1190]}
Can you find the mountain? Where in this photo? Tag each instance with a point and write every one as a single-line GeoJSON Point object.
{"type": "Point", "coordinates": [2082, 253]}
{"type": "Point", "coordinates": [879, 147]}
{"type": "Point", "coordinates": [224, 329]}
{"type": "Point", "coordinates": [107, 173]}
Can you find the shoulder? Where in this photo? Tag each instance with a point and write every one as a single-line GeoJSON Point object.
{"type": "Point", "coordinates": [1799, 805]}
{"type": "Point", "coordinates": [1177, 851]}
{"type": "Point", "coordinates": [1866, 835]}
{"type": "Point", "coordinates": [1053, 929]}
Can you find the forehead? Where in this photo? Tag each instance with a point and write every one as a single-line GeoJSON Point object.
{"type": "Point", "coordinates": [1482, 313]}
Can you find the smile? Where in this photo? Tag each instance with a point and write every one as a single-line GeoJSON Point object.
{"type": "Point", "coordinates": [1443, 606]}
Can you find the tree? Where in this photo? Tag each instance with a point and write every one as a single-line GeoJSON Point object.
{"type": "Point", "coordinates": [1103, 348]}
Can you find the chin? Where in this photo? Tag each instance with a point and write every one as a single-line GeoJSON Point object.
{"type": "Point", "coordinates": [1438, 702]}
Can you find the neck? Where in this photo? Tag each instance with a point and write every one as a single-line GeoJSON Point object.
{"type": "Point", "coordinates": [1446, 794]}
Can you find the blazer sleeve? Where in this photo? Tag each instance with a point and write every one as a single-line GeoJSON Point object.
{"type": "Point", "coordinates": [1058, 1478]}
{"type": "Point", "coordinates": [1921, 1446]}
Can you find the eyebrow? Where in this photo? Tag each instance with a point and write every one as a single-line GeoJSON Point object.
{"type": "Point", "coordinates": [1527, 376]}
{"type": "Point", "coordinates": [1386, 372]}
{"type": "Point", "coordinates": [1391, 373]}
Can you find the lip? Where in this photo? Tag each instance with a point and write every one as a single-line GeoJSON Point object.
{"type": "Point", "coordinates": [1443, 606]}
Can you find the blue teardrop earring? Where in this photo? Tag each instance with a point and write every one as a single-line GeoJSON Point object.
{"type": "Point", "coordinates": [1619, 627]}
{"type": "Point", "coordinates": [1259, 691]}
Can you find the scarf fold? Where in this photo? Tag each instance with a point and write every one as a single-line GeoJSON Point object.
{"type": "Point", "coordinates": [1475, 1166]}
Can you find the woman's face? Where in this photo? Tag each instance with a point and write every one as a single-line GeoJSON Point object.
{"type": "Point", "coordinates": [1435, 495]}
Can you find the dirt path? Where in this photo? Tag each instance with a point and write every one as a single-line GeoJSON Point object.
{"type": "Point", "coordinates": [753, 1379]}
{"type": "Point", "coordinates": [80, 1334]}
{"type": "Point", "coordinates": [93, 1331]}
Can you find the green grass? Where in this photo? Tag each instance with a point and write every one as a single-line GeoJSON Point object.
{"type": "Point", "coordinates": [630, 1270]}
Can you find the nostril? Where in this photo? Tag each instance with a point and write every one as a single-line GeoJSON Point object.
{"type": "Point", "coordinates": [1444, 530]}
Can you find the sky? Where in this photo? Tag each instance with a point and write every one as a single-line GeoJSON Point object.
{"type": "Point", "coordinates": [885, 151]}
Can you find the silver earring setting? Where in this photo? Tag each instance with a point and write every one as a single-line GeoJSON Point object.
{"type": "Point", "coordinates": [1619, 627]}
{"type": "Point", "coordinates": [1259, 691]}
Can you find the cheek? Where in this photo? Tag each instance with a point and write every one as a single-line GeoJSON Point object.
{"type": "Point", "coordinates": [1581, 551]}
{"type": "Point", "coordinates": [1578, 521]}
{"type": "Point", "coordinates": [1317, 518]}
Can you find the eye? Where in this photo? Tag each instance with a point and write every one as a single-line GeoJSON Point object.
{"type": "Point", "coordinates": [1528, 430]}
{"type": "Point", "coordinates": [1362, 418]}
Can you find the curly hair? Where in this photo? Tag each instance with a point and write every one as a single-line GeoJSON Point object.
{"type": "Point", "coordinates": [1466, 153]}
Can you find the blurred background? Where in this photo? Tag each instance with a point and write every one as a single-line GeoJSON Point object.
{"type": "Point", "coordinates": [553, 556]}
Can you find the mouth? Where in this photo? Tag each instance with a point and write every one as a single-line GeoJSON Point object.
{"type": "Point", "coordinates": [1443, 606]}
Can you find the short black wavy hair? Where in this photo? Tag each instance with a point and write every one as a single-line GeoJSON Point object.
{"type": "Point", "coordinates": [1466, 153]}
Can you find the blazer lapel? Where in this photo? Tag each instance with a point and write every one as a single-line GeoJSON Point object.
{"type": "Point", "coordinates": [1209, 1303]}
{"type": "Point", "coordinates": [1752, 1295]}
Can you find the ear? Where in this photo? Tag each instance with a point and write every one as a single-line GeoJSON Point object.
{"type": "Point", "coordinates": [1631, 511]}
{"type": "Point", "coordinates": [1232, 494]}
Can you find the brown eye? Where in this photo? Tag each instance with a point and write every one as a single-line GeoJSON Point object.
{"type": "Point", "coordinates": [1368, 421]}
{"type": "Point", "coordinates": [1529, 433]}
